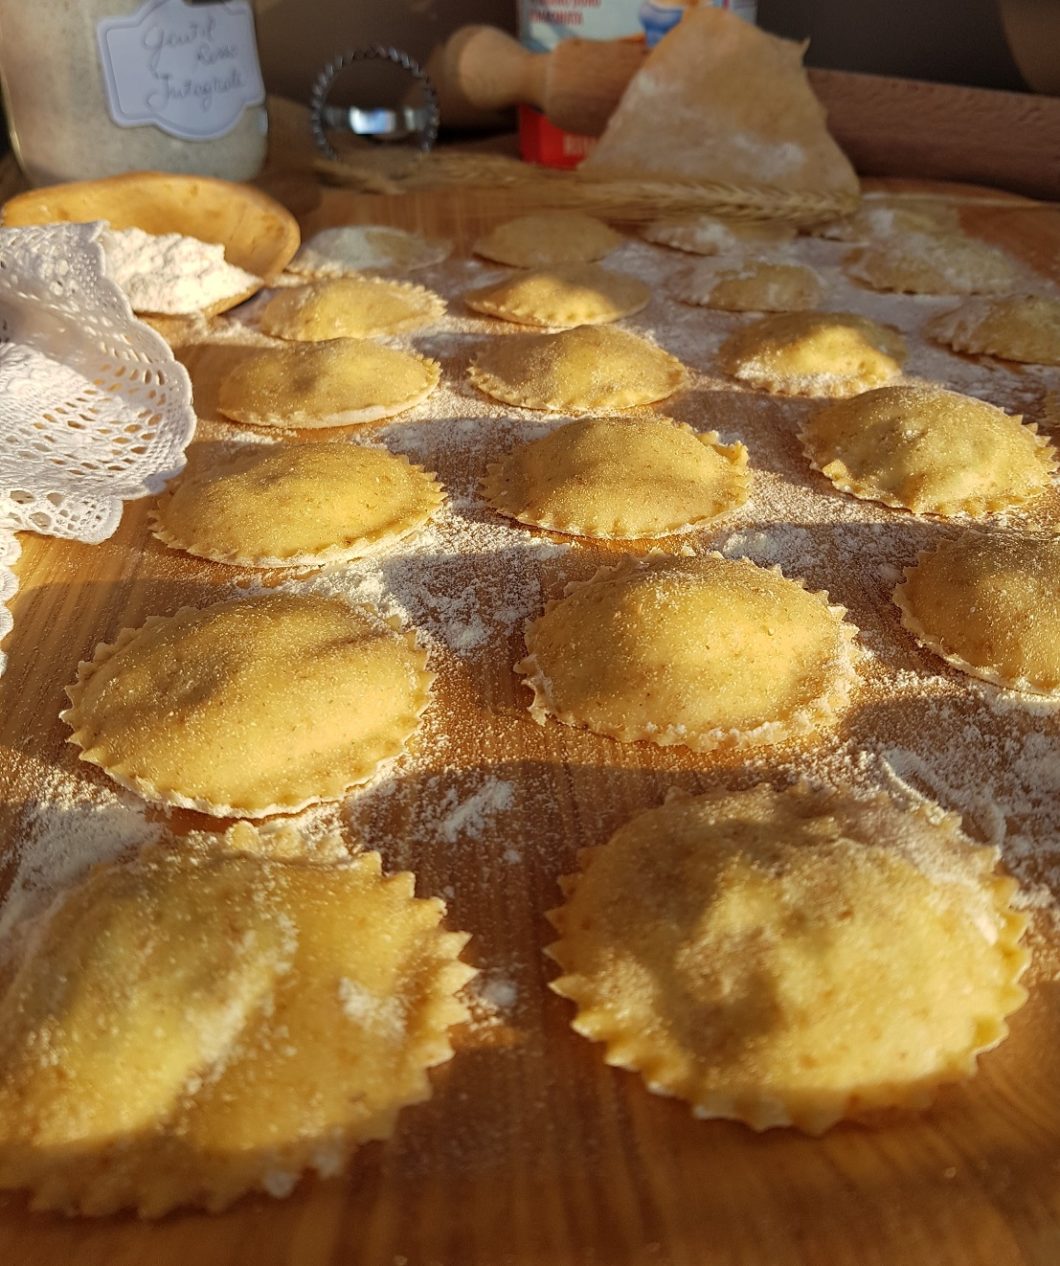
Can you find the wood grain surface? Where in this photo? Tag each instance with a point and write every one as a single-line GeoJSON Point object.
{"type": "Point", "coordinates": [532, 1152]}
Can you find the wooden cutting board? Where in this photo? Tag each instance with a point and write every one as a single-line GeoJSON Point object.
{"type": "Point", "coordinates": [532, 1152]}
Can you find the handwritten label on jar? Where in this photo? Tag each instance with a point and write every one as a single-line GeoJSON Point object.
{"type": "Point", "coordinates": [189, 69]}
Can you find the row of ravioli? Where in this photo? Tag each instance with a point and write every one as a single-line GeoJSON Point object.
{"type": "Point", "coordinates": [271, 1042]}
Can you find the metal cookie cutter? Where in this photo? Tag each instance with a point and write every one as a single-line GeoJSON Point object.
{"type": "Point", "coordinates": [417, 125]}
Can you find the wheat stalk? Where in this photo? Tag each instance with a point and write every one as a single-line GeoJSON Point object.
{"type": "Point", "coordinates": [634, 200]}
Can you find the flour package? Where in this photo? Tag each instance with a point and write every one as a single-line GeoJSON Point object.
{"type": "Point", "coordinates": [544, 23]}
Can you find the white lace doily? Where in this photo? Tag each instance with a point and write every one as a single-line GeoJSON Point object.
{"type": "Point", "coordinates": [94, 408]}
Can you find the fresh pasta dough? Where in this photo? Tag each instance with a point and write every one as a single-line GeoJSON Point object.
{"type": "Point", "coordinates": [1015, 327]}
{"type": "Point", "coordinates": [337, 382]}
{"type": "Point", "coordinates": [814, 354]}
{"type": "Point", "coordinates": [791, 958]}
{"type": "Point", "coordinates": [353, 248]}
{"type": "Point", "coordinates": [251, 707]}
{"type": "Point", "coordinates": [617, 478]}
{"type": "Point", "coordinates": [702, 652]}
{"type": "Point", "coordinates": [348, 307]}
{"type": "Point", "coordinates": [546, 238]}
{"type": "Point", "coordinates": [207, 1020]}
{"type": "Point", "coordinates": [577, 371]}
{"type": "Point", "coordinates": [752, 286]}
{"type": "Point", "coordinates": [933, 264]}
{"type": "Point", "coordinates": [989, 604]}
{"type": "Point", "coordinates": [703, 234]}
{"type": "Point", "coordinates": [928, 450]}
{"type": "Point", "coordinates": [565, 295]}
{"type": "Point", "coordinates": [880, 219]}
{"type": "Point", "coordinates": [284, 505]}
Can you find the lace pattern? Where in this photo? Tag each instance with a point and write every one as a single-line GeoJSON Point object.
{"type": "Point", "coordinates": [94, 408]}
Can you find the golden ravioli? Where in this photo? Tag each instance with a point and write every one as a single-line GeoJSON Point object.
{"type": "Point", "coordinates": [702, 234]}
{"type": "Point", "coordinates": [620, 479]}
{"type": "Point", "coordinates": [1017, 327]}
{"type": "Point", "coordinates": [933, 264]}
{"type": "Point", "coordinates": [349, 307]}
{"type": "Point", "coordinates": [990, 605]}
{"type": "Point", "coordinates": [565, 295]}
{"type": "Point", "coordinates": [201, 1022]}
{"type": "Point", "coordinates": [246, 708]}
{"type": "Point", "coordinates": [706, 653]}
{"type": "Point", "coordinates": [584, 370]}
{"type": "Point", "coordinates": [548, 237]}
{"type": "Point", "coordinates": [334, 383]}
{"type": "Point", "coordinates": [814, 354]}
{"type": "Point", "coordinates": [928, 450]}
{"type": "Point", "coordinates": [791, 958]}
{"type": "Point", "coordinates": [754, 286]}
{"type": "Point", "coordinates": [879, 218]}
{"type": "Point", "coordinates": [353, 248]}
{"type": "Point", "coordinates": [286, 505]}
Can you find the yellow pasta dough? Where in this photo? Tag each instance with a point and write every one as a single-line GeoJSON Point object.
{"type": "Point", "coordinates": [990, 605]}
{"type": "Point", "coordinates": [814, 354]}
{"type": "Point", "coordinates": [246, 708]}
{"type": "Point", "coordinates": [791, 958]}
{"type": "Point", "coordinates": [548, 237]}
{"type": "Point", "coordinates": [933, 264]}
{"type": "Point", "coordinates": [705, 652]}
{"type": "Point", "coordinates": [753, 286]}
{"type": "Point", "coordinates": [349, 307]}
{"type": "Point", "coordinates": [201, 1022]}
{"type": "Point", "coordinates": [562, 296]}
{"type": "Point", "coordinates": [879, 218]}
{"type": "Point", "coordinates": [928, 450]}
{"type": "Point", "coordinates": [584, 370]}
{"type": "Point", "coordinates": [333, 383]}
{"type": "Point", "coordinates": [616, 478]}
{"type": "Point", "coordinates": [702, 234]}
{"type": "Point", "coordinates": [353, 248]}
{"type": "Point", "coordinates": [284, 505]}
{"type": "Point", "coordinates": [1016, 327]}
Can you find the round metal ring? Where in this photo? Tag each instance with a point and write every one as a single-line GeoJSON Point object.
{"type": "Point", "coordinates": [320, 116]}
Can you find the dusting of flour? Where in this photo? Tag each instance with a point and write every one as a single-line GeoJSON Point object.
{"type": "Point", "coordinates": [490, 831]}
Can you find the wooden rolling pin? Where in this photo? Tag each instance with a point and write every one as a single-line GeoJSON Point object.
{"type": "Point", "coordinates": [887, 127]}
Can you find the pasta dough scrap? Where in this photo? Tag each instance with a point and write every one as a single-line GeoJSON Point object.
{"type": "Point", "coordinates": [706, 653]}
{"type": "Point", "coordinates": [285, 505]}
{"type": "Point", "coordinates": [933, 264]}
{"type": "Point", "coordinates": [354, 248]}
{"type": "Point", "coordinates": [548, 237]}
{"type": "Point", "coordinates": [754, 286]}
{"type": "Point", "coordinates": [791, 958]}
{"type": "Point", "coordinates": [704, 234]}
{"type": "Point", "coordinates": [563, 296]}
{"type": "Point", "coordinates": [200, 1022]}
{"type": "Point", "coordinates": [333, 383]}
{"type": "Point", "coordinates": [1016, 327]}
{"type": "Point", "coordinates": [246, 708]}
{"type": "Point", "coordinates": [990, 606]}
{"type": "Point", "coordinates": [584, 370]}
{"type": "Point", "coordinates": [814, 354]}
{"type": "Point", "coordinates": [618, 478]}
{"type": "Point", "coordinates": [720, 101]}
{"type": "Point", "coordinates": [928, 450]}
{"type": "Point", "coordinates": [349, 307]}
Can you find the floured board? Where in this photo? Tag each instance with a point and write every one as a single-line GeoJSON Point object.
{"type": "Point", "coordinates": [531, 1150]}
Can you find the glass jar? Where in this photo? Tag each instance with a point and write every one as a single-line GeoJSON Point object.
{"type": "Point", "coordinates": [96, 87]}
